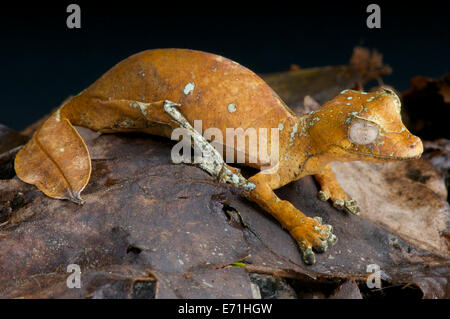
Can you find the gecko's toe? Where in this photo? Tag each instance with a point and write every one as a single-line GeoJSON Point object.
{"type": "Point", "coordinates": [309, 257]}
{"type": "Point", "coordinates": [352, 206]}
{"type": "Point", "coordinates": [339, 204]}
{"type": "Point", "coordinates": [323, 196]}
{"type": "Point", "coordinates": [332, 239]}
{"type": "Point", "coordinates": [325, 236]}
{"type": "Point", "coordinates": [349, 205]}
{"type": "Point", "coordinates": [321, 247]}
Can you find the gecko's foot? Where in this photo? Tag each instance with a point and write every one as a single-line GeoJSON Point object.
{"type": "Point", "coordinates": [312, 235]}
{"type": "Point", "coordinates": [349, 205]}
{"type": "Point", "coordinates": [342, 202]}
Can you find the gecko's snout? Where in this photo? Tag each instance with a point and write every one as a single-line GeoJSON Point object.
{"type": "Point", "coordinates": [417, 147]}
{"type": "Point", "coordinates": [412, 150]}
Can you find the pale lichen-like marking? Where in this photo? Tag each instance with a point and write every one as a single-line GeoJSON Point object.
{"type": "Point", "coordinates": [397, 132]}
{"type": "Point", "coordinates": [231, 107]}
{"type": "Point", "coordinates": [58, 115]}
{"type": "Point", "coordinates": [294, 130]}
{"type": "Point", "coordinates": [126, 123]}
{"type": "Point", "coordinates": [189, 88]}
{"type": "Point", "coordinates": [348, 120]}
{"type": "Point", "coordinates": [280, 126]}
{"type": "Point", "coordinates": [143, 107]}
{"type": "Point", "coordinates": [397, 103]}
{"type": "Point", "coordinates": [303, 127]}
{"type": "Point", "coordinates": [280, 103]}
{"type": "Point", "coordinates": [235, 65]}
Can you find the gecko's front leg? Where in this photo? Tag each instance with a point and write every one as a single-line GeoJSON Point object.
{"type": "Point", "coordinates": [308, 232]}
{"type": "Point", "coordinates": [331, 190]}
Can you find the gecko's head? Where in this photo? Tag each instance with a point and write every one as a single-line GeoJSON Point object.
{"type": "Point", "coordinates": [363, 126]}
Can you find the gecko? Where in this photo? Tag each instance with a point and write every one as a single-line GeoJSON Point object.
{"type": "Point", "coordinates": [130, 97]}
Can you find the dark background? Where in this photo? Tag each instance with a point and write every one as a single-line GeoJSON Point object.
{"type": "Point", "coordinates": [43, 61]}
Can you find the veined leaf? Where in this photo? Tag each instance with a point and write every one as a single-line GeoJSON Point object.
{"type": "Point", "coordinates": [56, 160]}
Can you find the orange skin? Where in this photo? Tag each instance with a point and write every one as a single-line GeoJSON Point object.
{"type": "Point", "coordinates": [130, 97]}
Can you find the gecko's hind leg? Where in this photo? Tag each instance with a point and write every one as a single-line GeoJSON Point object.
{"type": "Point", "coordinates": [331, 190]}
{"type": "Point", "coordinates": [210, 160]}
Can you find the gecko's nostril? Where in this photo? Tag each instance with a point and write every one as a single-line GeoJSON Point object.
{"type": "Point", "coordinates": [415, 148]}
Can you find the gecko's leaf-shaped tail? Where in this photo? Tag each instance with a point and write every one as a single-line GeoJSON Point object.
{"type": "Point", "coordinates": [56, 160]}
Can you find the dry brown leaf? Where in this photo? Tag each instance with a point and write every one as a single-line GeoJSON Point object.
{"type": "Point", "coordinates": [369, 64]}
{"type": "Point", "coordinates": [56, 160]}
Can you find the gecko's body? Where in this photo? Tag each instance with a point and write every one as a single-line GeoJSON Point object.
{"type": "Point", "coordinates": [222, 94]}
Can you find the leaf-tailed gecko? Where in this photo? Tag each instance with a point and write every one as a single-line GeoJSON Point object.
{"type": "Point", "coordinates": [354, 126]}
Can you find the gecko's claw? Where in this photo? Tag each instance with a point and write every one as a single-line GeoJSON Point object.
{"type": "Point", "coordinates": [332, 239]}
{"type": "Point", "coordinates": [323, 196]}
{"type": "Point", "coordinates": [309, 257]}
{"type": "Point", "coordinates": [352, 206]}
{"type": "Point", "coordinates": [318, 220]}
{"type": "Point", "coordinates": [339, 204]}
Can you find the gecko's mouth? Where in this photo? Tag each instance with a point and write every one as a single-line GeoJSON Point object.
{"type": "Point", "coordinates": [381, 157]}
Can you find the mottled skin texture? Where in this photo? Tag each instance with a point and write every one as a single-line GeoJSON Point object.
{"type": "Point", "coordinates": [222, 94]}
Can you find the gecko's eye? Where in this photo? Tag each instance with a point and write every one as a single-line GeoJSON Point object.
{"type": "Point", "coordinates": [362, 132]}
